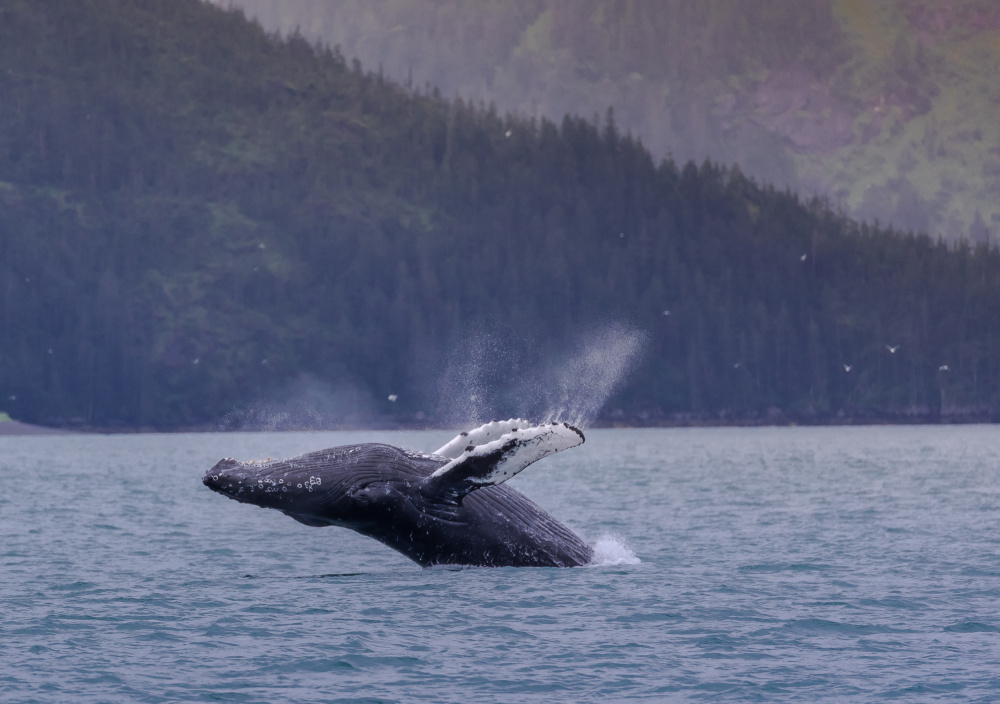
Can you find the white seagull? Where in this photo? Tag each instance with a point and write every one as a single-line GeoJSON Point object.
{"type": "Point", "coordinates": [892, 350]}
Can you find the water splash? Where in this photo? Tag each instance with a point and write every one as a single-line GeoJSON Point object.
{"type": "Point", "coordinates": [610, 550]}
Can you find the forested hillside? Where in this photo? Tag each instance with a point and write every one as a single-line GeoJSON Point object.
{"type": "Point", "coordinates": [887, 106]}
{"type": "Point", "coordinates": [195, 215]}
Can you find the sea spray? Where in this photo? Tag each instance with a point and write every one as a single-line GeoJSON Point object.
{"type": "Point", "coordinates": [486, 375]}
{"type": "Point", "coordinates": [580, 386]}
{"type": "Point", "coordinates": [305, 403]}
{"type": "Point", "coordinates": [489, 375]}
{"type": "Point", "coordinates": [610, 550]}
{"type": "Point", "coordinates": [476, 373]}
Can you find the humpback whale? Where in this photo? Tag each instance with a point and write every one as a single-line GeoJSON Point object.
{"type": "Point", "coordinates": [450, 507]}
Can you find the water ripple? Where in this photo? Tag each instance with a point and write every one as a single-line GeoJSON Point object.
{"type": "Point", "coordinates": [737, 565]}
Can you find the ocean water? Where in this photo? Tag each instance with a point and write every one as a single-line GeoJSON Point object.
{"type": "Point", "coordinates": [771, 564]}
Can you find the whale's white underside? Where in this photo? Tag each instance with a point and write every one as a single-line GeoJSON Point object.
{"type": "Point", "coordinates": [496, 451]}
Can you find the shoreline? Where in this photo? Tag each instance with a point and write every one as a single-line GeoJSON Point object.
{"type": "Point", "coordinates": [13, 428]}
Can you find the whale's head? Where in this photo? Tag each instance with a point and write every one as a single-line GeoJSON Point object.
{"type": "Point", "coordinates": [311, 496]}
{"type": "Point", "coordinates": [341, 486]}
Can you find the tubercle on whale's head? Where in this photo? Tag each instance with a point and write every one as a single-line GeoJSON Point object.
{"type": "Point", "coordinates": [576, 430]}
{"type": "Point", "coordinates": [272, 484]}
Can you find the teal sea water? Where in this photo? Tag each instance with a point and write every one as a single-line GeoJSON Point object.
{"type": "Point", "coordinates": [774, 564]}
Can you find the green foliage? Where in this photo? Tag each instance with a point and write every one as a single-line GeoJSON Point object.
{"type": "Point", "coordinates": [194, 214]}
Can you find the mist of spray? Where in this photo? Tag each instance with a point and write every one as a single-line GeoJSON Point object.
{"type": "Point", "coordinates": [306, 403]}
{"type": "Point", "coordinates": [575, 390]}
{"type": "Point", "coordinates": [488, 377]}
{"type": "Point", "coordinates": [468, 391]}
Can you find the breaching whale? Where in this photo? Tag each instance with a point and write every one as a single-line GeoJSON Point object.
{"type": "Point", "coordinates": [446, 508]}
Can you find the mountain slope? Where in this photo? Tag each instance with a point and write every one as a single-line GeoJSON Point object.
{"type": "Point", "coordinates": [885, 107]}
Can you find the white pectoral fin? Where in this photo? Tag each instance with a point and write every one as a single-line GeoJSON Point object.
{"type": "Point", "coordinates": [498, 460]}
{"type": "Point", "coordinates": [480, 436]}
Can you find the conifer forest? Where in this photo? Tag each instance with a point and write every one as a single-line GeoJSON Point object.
{"type": "Point", "coordinates": [197, 216]}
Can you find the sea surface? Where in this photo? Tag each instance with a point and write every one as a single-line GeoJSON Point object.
{"type": "Point", "coordinates": [766, 564]}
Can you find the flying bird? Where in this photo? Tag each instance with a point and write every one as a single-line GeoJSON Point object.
{"type": "Point", "coordinates": [892, 350]}
{"type": "Point", "coordinates": [848, 367]}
